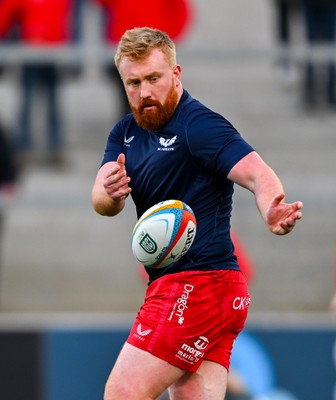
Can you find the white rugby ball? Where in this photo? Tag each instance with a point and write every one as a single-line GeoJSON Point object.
{"type": "Point", "coordinates": [163, 234]}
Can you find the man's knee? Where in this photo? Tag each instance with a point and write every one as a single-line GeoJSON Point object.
{"type": "Point", "coordinates": [119, 392]}
{"type": "Point", "coordinates": [122, 390]}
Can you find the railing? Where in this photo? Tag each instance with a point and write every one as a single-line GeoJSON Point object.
{"type": "Point", "coordinates": [84, 54]}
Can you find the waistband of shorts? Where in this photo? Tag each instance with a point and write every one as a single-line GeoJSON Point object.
{"type": "Point", "coordinates": [226, 275]}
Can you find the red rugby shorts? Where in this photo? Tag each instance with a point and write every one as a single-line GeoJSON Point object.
{"type": "Point", "coordinates": [192, 316]}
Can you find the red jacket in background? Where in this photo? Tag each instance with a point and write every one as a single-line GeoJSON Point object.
{"type": "Point", "coordinates": [245, 262]}
{"type": "Point", "coordinates": [171, 16]}
{"type": "Point", "coordinates": [40, 22]}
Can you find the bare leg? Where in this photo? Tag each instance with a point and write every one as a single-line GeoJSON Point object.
{"type": "Point", "coordinates": [208, 383]}
{"type": "Point", "coordinates": [138, 375]}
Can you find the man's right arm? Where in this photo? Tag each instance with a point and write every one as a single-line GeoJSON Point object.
{"type": "Point", "coordinates": [111, 188]}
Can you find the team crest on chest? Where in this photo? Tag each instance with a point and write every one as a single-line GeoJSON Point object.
{"type": "Point", "coordinates": [166, 144]}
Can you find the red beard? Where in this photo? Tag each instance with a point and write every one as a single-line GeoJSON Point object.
{"type": "Point", "coordinates": [157, 117]}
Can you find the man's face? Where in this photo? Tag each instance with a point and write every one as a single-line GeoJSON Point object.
{"type": "Point", "coordinates": [153, 89]}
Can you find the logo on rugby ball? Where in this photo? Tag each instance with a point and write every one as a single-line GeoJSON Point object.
{"type": "Point", "coordinates": [148, 244]}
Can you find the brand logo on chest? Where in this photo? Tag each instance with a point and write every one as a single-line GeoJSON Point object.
{"type": "Point", "coordinates": [127, 141]}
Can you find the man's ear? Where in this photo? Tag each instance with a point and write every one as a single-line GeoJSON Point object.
{"type": "Point", "coordinates": [177, 74]}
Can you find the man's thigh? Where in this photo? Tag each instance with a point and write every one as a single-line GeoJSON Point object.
{"type": "Point", "coordinates": [138, 375]}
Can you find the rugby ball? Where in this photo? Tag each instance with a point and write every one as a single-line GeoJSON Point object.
{"type": "Point", "coordinates": [163, 234]}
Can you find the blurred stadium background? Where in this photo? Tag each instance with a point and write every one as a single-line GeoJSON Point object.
{"type": "Point", "coordinates": [60, 257]}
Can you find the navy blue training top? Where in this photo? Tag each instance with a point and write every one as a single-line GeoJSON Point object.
{"type": "Point", "coordinates": [189, 160]}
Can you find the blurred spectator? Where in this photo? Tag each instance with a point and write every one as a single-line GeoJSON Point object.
{"type": "Point", "coordinates": [320, 22]}
{"type": "Point", "coordinates": [285, 10]}
{"type": "Point", "coordinates": [173, 17]}
{"type": "Point", "coordinates": [8, 179]}
{"type": "Point", "coordinates": [41, 23]}
{"type": "Point", "coordinates": [282, 26]}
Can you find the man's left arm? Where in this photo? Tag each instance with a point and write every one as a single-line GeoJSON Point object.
{"type": "Point", "coordinates": [252, 173]}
